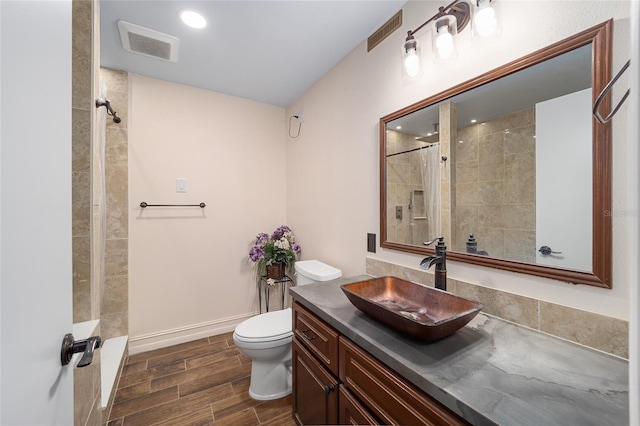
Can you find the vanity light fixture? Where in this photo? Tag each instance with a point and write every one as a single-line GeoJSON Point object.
{"type": "Point", "coordinates": [449, 20]}
{"type": "Point", "coordinates": [447, 23]}
{"type": "Point", "coordinates": [193, 19]}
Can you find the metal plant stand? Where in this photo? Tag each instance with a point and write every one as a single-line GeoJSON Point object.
{"type": "Point", "coordinates": [264, 282]}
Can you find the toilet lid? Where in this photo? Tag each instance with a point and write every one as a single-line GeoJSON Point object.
{"type": "Point", "coordinates": [270, 326]}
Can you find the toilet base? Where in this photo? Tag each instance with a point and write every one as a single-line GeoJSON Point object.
{"type": "Point", "coordinates": [270, 380]}
{"type": "Point", "coordinates": [269, 397]}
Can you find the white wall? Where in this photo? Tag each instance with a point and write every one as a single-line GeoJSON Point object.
{"type": "Point", "coordinates": [332, 174]}
{"type": "Point", "coordinates": [189, 275]}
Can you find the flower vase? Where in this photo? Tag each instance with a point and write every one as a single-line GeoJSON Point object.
{"type": "Point", "coordinates": [276, 271]}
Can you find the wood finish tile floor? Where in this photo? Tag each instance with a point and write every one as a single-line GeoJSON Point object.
{"type": "Point", "coordinates": [204, 382]}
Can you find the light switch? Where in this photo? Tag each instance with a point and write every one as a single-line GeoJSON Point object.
{"type": "Point", "coordinates": [181, 185]}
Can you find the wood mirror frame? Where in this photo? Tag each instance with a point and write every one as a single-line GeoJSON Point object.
{"type": "Point", "coordinates": [601, 275]}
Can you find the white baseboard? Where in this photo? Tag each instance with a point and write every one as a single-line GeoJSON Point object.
{"type": "Point", "coordinates": [162, 339]}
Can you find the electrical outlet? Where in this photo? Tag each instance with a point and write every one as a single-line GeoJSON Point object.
{"type": "Point", "coordinates": [301, 116]}
{"type": "Point", "coordinates": [371, 243]}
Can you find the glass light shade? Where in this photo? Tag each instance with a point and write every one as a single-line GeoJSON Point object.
{"type": "Point", "coordinates": [411, 61]}
{"type": "Point", "coordinates": [485, 21]}
{"type": "Point", "coordinates": [444, 43]}
{"type": "Point", "coordinates": [444, 32]}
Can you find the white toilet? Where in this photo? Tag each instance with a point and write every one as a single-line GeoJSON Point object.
{"type": "Point", "coordinates": [266, 338]}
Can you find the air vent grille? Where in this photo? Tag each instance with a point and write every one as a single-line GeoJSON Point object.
{"type": "Point", "coordinates": [148, 42]}
{"type": "Point", "coordinates": [149, 46]}
{"type": "Point", "coordinates": [385, 31]}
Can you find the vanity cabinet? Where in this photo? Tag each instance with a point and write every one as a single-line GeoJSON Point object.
{"type": "Point", "coordinates": [315, 369]}
{"type": "Point", "coordinates": [335, 381]}
{"type": "Point", "coordinates": [388, 397]}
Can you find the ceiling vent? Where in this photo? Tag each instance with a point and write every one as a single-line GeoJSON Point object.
{"type": "Point", "coordinates": [385, 31]}
{"type": "Point", "coordinates": [145, 41]}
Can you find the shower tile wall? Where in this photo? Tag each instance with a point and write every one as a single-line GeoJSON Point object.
{"type": "Point", "coordinates": [85, 48]}
{"type": "Point", "coordinates": [448, 136]}
{"type": "Point", "coordinates": [495, 187]}
{"type": "Point", "coordinates": [82, 112]}
{"type": "Point", "coordinates": [115, 299]}
{"type": "Point", "coordinates": [404, 178]}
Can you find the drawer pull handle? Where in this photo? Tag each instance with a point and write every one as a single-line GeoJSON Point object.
{"type": "Point", "coordinates": [328, 389]}
{"type": "Point", "coordinates": [304, 333]}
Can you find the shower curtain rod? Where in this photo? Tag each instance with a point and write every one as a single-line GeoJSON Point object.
{"type": "Point", "coordinates": [414, 149]}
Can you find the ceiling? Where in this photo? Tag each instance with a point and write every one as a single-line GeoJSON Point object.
{"type": "Point", "coordinates": [267, 51]}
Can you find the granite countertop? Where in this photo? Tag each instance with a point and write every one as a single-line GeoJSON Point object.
{"type": "Point", "coordinates": [490, 371]}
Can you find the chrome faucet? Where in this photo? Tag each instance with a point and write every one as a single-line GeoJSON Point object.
{"type": "Point", "coordinates": [440, 260]}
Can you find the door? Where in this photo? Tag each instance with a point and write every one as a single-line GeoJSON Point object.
{"type": "Point", "coordinates": [35, 212]}
{"type": "Point", "coordinates": [564, 194]}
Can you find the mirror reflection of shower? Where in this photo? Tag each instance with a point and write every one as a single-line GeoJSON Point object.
{"type": "Point", "coordinates": [413, 163]}
{"type": "Point", "coordinates": [430, 169]}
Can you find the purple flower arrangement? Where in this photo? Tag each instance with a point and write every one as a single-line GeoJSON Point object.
{"type": "Point", "coordinates": [277, 247]}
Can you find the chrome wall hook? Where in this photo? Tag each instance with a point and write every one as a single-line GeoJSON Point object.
{"type": "Point", "coordinates": [607, 88]}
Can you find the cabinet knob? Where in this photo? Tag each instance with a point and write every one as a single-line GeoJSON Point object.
{"type": "Point", "coordinates": [328, 389]}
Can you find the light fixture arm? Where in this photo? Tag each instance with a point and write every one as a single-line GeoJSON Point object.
{"type": "Point", "coordinates": [458, 8]}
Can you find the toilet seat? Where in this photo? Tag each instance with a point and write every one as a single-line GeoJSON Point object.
{"type": "Point", "coordinates": [268, 327]}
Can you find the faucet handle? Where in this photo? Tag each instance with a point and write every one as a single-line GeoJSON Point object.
{"type": "Point", "coordinates": [428, 243]}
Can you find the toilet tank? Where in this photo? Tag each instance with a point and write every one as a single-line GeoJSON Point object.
{"type": "Point", "coordinates": [313, 271]}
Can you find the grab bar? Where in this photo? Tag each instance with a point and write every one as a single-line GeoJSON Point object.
{"type": "Point", "coordinates": [604, 92]}
{"type": "Point", "coordinates": [145, 205]}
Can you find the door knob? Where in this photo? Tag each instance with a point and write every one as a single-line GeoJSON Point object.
{"type": "Point", "coordinates": [71, 346]}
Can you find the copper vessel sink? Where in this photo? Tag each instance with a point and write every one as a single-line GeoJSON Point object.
{"type": "Point", "coordinates": [412, 309]}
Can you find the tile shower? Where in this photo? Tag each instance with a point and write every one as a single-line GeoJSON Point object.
{"type": "Point", "coordinates": [487, 185]}
{"type": "Point", "coordinates": [100, 282]}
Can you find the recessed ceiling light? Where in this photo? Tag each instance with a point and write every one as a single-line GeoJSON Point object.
{"type": "Point", "coordinates": [398, 127]}
{"type": "Point", "coordinates": [474, 120]}
{"type": "Point", "coordinates": [193, 19]}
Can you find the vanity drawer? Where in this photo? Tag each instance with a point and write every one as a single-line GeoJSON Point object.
{"type": "Point", "coordinates": [387, 396]}
{"type": "Point", "coordinates": [351, 412]}
{"type": "Point", "coordinates": [316, 336]}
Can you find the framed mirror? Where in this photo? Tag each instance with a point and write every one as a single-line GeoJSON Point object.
{"type": "Point", "coordinates": [510, 167]}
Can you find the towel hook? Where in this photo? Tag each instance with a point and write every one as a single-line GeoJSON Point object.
{"type": "Point", "coordinates": [604, 92]}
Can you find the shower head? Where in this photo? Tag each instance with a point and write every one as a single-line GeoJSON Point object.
{"type": "Point", "coordinates": [105, 103]}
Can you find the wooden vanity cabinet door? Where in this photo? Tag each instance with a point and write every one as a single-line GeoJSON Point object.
{"type": "Point", "coordinates": [315, 390]}
{"type": "Point", "coordinates": [351, 412]}
{"type": "Point", "coordinates": [320, 339]}
{"type": "Point", "coordinates": [388, 397]}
